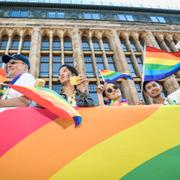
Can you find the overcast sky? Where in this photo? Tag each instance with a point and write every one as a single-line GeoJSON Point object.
{"type": "Point", "coordinates": [162, 3]}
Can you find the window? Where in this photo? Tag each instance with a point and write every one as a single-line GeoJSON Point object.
{"type": "Point", "coordinates": [111, 63]}
{"type": "Point", "coordinates": [26, 43]}
{"type": "Point", "coordinates": [92, 92]}
{"type": "Point", "coordinates": [89, 66]}
{"type": "Point", "coordinates": [123, 45]}
{"type": "Point", "coordinates": [67, 44]}
{"type": "Point", "coordinates": [85, 44]}
{"type": "Point", "coordinates": [44, 66]}
{"type": "Point", "coordinates": [56, 65]}
{"type": "Point", "coordinates": [99, 63]}
{"type": "Point", "coordinates": [89, 15]}
{"type": "Point", "coordinates": [19, 13]}
{"type": "Point", "coordinates": [4, 42]}
{"type": "Point", "coordinates": [56, 87]}
{"type": "Point", "coordinates": [123, 17]}
{"type": "Point", "coordinates": [157, 19]}
{"type": "Point", "coordinates": [45, 43]}
{"type": "Point", "coordinates": [56, 44]}
{"type": "Point", "coordinates": [96, 44]}
{"type": "Point", "coordinates": [140, 64]}
{"type": "Point", "coordinates": [138, 89]}
{"type": "Point", "coordinates": [1, 60]}
{"type": "Point", "coordinates": [131, 67]}
{"type": "Point", "coordinates": [55, 14]}
{"type": "Point", "coordinates": [106, 44]}
{"type": "Point", "coordinates": [15, 43]}
{"type": "Point", "coordinates": [68, 59]}
{"type": "Point", "coordinates": [133, 45]}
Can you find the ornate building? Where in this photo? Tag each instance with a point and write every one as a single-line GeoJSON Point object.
{"type": "Point", "coordinates": [90, 37]}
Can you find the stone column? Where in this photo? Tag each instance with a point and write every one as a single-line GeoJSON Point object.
{"type": "Point", "coordinates": [171, 42]}
{"type": "Point", "coordinates": [34, 55]}
{"type": "Point", "coordinates": [50, 34]}
{"type": "Point", "coordinates": [160, 38]}
{"type": "Point", "coordinates": [99, 36]}
{"type": "Point", "coordinates": [128, 86]}
{"type": "Point", "coordinates": [133, 57]}
{"type": "Point", "coordinates": [135, 36]}
{"type": "Point", "coordinates": [21, 34]}
{"type": "Point", "coordinates": [60, 34]}
{"type": "Point", "coordinates": [77, 51]}
{"type": "Point", "coordinates": [93, 56]}
{"type": "Point", "coordinates": [10, 33]}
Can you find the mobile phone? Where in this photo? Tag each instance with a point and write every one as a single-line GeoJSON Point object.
{"type": "Point", "coordinates": [74, 80]}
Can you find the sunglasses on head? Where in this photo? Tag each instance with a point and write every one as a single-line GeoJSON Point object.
{"type": "Point", "coordinates": [110, 90]}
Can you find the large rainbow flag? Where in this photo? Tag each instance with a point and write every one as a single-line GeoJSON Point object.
{"type": "Point", "coordinates": [112, 76]}
{"type": "Point", "coordinates": [159, 64]}
{"type": "Point", "coordinates": [130, 143]}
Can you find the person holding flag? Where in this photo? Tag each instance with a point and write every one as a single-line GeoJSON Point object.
{"type": "Point", "coordinates": [158, 64]}
{"type": "Point", "coordinates": [18, 67]}
{"type": "Point", "coordinates": [109, 93]}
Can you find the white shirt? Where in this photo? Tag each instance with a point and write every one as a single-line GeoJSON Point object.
{"type": "Point", "coordinates": [26, 79]}
{"type": "Point", "coordinates": [175, 96]}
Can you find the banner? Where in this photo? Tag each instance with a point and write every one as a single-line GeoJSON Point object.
{"type": "Point", "coordinates": [128, 142]}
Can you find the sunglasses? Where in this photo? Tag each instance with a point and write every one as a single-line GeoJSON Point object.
{"type": "Point", "coordinates": [110, 90]}
{"type": "Point", "coordinates": [14, 62]}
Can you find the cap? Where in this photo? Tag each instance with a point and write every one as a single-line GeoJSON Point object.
{"type": "Point", "coordinates": [7, 58]}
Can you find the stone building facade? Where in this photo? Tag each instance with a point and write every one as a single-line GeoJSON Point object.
{"type": "Point", "coordinates": [89, 44]}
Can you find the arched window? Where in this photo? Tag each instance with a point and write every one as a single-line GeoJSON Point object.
{"type": "Point", "coordinates": [131, 66]}
{"type": "Point", "coordinates": [123, 45]}
{"type": "Point", "coordinates": [56, 65]}
{"type": "Point", "coordinates": [85, 44]}
{"type": "Point", "coordinates": [133, 45]}
{"type": "Point", "coordinates": [88, 66]}
{"type": "Point", "coordinates": [67, 44]}
{"type": "Point", "coordinates": [26, 43]}
{"type": "Point", "coordinates": [95, 44]}
{"type": "Point", "coordinates": [45, 43]}
{"type": "Point", "coordinates": [56, 44]}
{"type": "Point", "coordinates": [4, 42]}
{"type": "Point", "coordinates": [106, 44]}
{"type": "Point", "coordinates": [15, 43]}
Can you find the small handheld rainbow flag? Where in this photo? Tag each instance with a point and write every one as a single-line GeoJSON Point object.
{"type": "Point", "coordinates": [50, 100]}
{"type": "Point", "coordinates": [112, 76]}
{"type": "Point", "coordinates": [159, 64]}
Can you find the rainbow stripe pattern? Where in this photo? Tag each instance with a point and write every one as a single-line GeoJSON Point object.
{"type": "Point", "coordinates": [132, 142]}
{"type": "Point", "coordinates": [112, 76]}
{"type": "Point", "coordinates": [159, 64]}
{"type": "Point", "coordinates": [50, 100]}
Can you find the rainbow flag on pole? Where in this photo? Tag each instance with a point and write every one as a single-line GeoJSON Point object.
{"type": "Point", "coordinates": [50, 100]}
{"type": "Point", "coordinates": [159, 64]}
{"type": "Point", "coordinates": [112, 76]}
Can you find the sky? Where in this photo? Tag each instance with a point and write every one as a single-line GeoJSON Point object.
{"type": "Point", "coordinates": [175, 4]}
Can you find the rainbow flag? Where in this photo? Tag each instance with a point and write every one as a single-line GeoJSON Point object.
{"type": "Point", "coordinates": [159, 64]}
{"type": "Point", "coordinates": [50, 100]}
{"type": "Point", "coordinates": [125, 142]}
{"type": "Point", "coordinates": [2, 75]}
{"type": "Point", "coordinates": [112, 76]}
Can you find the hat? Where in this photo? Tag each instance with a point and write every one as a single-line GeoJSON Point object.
{"type": "Point", "coordinates": [7, 58]}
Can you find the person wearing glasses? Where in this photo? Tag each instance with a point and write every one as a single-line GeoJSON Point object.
{"type": "Point", "coordinates": [74, 87]}
{"type": "Point", "coordinates": [110, 94]}
{"type": "Point", "coordinates": [18, 67]}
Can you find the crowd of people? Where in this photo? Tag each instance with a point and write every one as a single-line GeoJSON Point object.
{"type": "Point", "coordinates": [74, 87]}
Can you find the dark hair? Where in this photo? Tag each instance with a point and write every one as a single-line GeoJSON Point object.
{"type": "Point", "coordinates": [70, 68]}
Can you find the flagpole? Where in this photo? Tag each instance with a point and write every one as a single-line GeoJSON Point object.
{"type": "Point", "coordinates": [102, 76]}
{"type": "Point", "coordinates": [142, 81]}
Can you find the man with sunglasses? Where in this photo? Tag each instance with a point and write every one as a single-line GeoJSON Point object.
{"type": "Point", "coordinates": [111, 95]}
{"type": "Point", "coordinates": [18, 67]}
